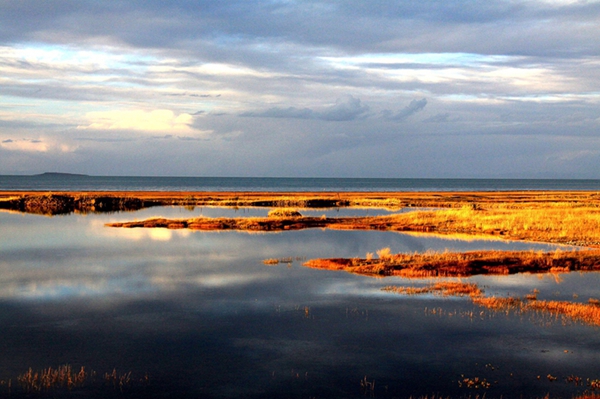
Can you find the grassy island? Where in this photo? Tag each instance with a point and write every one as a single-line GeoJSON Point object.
{"type": "Point", "coordinates": [571, 218]}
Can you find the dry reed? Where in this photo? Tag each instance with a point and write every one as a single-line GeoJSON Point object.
{"type": "Point", "coordinates": [586, 313]}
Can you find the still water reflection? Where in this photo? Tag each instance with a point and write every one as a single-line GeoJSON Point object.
{"type": "Point", "coordinates": [204, 317]}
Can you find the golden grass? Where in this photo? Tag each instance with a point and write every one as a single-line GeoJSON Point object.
{"type": "Point", "coordinates": [561, 222]}
{"type": "Point", "coordinates": [556, 222]}
{"type": "Point", "coordinates": [284, 213]}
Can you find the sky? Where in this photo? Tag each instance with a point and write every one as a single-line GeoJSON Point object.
{"type": "Point", "coordinates": [315, 88]}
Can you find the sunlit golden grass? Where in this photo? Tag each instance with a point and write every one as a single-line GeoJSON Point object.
{"type": "Point", "coordinates": [284, 213]}
{"type": "Point", "coordinates": [86, 201]}
{"type": "Point", "coordinates": [550, 222]}
{"type": "Point", "coordinates": [556, 222]}
{"type": "Point", "coordinates": [461, 264]}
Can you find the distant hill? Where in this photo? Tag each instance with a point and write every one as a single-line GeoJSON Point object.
{"type": "Point", "coordinates": [59, 174]}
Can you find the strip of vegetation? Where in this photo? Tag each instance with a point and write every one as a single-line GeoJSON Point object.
{"type": "Point", "coordinates": [555, 223]}
{"type": "Point", "coordinates": [58, 204]}
{"type": "Point", "coordinates": [586, 313]}
{"type": "Point", "coordinates": [462, 264]}
{"type": "Point", "coordinates": [14, 200]}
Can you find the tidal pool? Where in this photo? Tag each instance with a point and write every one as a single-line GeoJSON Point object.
{"type": "Point", "coordinates": [202, 316]}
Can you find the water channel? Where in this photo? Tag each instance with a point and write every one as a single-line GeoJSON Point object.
{"type": "Point", "coordinates": [198, 314]}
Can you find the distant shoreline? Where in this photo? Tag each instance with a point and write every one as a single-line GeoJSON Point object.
{"type": "Point", "coordinates": [66, 182]}
{"type": "Point", "coordinates": [59, 174]}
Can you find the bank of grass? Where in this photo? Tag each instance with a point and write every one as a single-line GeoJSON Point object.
{"type": "Point", "coordinates": [389, 200]}
{"type": "Point", "coordinates": [463, 264]}
{"type": "Point", "coordinates": [284, 213]}
{"type": "Point", "coordinates": [565, 223]}
{"type": "Point", "coordinates": [572, 223]}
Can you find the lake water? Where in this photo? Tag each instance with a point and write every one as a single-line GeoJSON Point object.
{"type": "Point", "coordinates": [61, 182]}
{"type": "Point", "coordinates": [202, 316]}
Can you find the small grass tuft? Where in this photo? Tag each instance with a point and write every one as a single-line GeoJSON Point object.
{"type": "Point", "coordinates": [284, 213]}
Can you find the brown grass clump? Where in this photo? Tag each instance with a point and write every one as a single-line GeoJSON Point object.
{"type": "Point", "coordinates": [250, 224]}
{"type": "Point", "coordinates": [284, 213]}
{"type": "Point", "coordinates": [271, 261]}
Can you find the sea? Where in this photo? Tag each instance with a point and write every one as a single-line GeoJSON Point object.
{"type": "Point", "coordinates": [69, 182]}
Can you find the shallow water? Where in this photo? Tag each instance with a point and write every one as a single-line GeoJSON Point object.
{"type": "Point", "coordinates": [204, 317]}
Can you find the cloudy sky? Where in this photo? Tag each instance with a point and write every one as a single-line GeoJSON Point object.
{"type": "Point", "coordinates": [332, 88]}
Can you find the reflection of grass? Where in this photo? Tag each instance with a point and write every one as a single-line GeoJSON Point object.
{"type": "Point", "coordinates": [446, 288]}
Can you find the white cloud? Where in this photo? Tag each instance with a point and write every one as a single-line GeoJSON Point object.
{"type": "Point", "coordinates": [24, 145]}
{"type": "Point", "coordinates": [159, 120]}
{"type": "Point", "coordinates": [41, 145]}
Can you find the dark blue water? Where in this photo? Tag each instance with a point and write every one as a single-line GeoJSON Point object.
{"type": "Point", "coordinates": [204, 317]}
{"type": "Point", "coordinates": [59, 182]}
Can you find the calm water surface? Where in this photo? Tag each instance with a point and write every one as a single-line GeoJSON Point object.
{"type": "Point", "coordinates": [204, 317]}
{"type": "Point", "coordinates": [61, 182]}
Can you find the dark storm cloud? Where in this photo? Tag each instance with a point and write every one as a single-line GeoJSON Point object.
{"type": "Point", "coordinates": [412, 108]}
{"type": "Point", "coordinates": [345, 109]}
{"type": "Point", "coordinates": [213, 28]}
